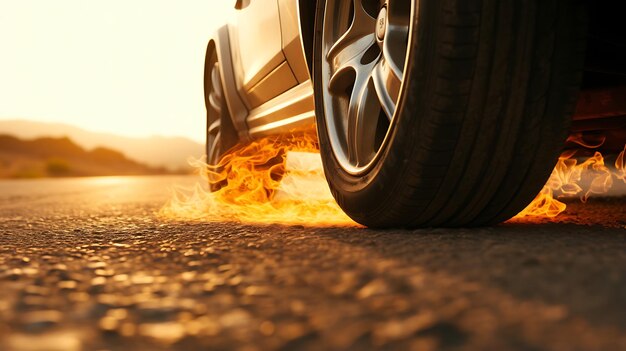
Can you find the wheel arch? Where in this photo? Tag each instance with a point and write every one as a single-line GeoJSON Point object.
{"type": "Point", "coordinates": [220, 43]}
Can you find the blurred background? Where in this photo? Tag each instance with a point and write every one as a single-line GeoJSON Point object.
{"type": "Point", "coordinates": [102, 87]}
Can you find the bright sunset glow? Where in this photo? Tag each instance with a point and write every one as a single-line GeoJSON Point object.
{"type": "Point", "coordinates": [128, 67]}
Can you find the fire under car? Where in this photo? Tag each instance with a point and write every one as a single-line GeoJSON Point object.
{"type": "Point", "coordinates": [427, 112]}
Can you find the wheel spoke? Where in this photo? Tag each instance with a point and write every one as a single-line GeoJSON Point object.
{"type": "Point", "coordinates": [215, 80]}
{"type": "Point", "coordinates": [394, 48]}
{"type": "Point", "coordinates": [363, 114]}
{"type": "Point", "coordinates": [351, 42]}
{"type": "Point", "coordinates": [215, 97]}
{"type": "Point", "coordinates": [214, 103]}
{"type": "Point", "coordinates": [352, 70]}
{"type": "Point", "coordinates": [387, 86]}
{"type": "Point", "coordinates": [214, 113]}
{"type": "Point", "coordinates": [214, 127]}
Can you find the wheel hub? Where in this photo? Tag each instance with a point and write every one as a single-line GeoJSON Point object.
{"type": "Point", "coordinates": [381, 24]}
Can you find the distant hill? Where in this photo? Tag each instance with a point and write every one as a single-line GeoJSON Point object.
{"type": "Point", "coordinates": [170, 152]}
{"type": "Point", "coordinates": [56, 157]}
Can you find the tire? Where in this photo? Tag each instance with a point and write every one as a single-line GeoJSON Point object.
{"type": "Point", "coordinates": [221, 135]}
{"type": "Point", "coordinates": [476, 122]}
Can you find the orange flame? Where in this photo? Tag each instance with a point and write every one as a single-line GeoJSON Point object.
{"type": "Point", "coordinates": [272, 180]}
{"type": "Point", "coordinates": [566, 180]}
{"type": "Point", "coordinates": [620, 166]}
{"type": "Point", "coordinates": [281, 180]}
{"type": "Point", "coordinates": [587, 141]}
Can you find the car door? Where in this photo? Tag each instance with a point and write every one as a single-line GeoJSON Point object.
{"type": "Point", "coordinates": [259, 60]}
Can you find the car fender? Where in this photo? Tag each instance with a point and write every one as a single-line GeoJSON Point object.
{"type": "Point", "coordinates": [236, 107]}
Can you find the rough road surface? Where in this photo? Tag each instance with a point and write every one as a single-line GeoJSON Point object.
{"type": "Point", "coordinates": [86, 265]}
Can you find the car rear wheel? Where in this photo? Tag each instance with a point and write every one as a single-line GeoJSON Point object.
{"type": "Point", "coordinates": [221, 135]}
{"type": "Point", "coordinates": [443, 113]}
{"type": "Point", "coordinates": [220, 132]}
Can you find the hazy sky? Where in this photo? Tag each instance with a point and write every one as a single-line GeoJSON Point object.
{"type": "Point", "coordinates": [132, 67]}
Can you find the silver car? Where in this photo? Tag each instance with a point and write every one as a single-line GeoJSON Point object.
{"type": "Point", "coordinates": [428, 112]}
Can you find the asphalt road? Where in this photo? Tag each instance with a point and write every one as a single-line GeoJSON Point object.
{"type": "Point", "coordinates": [85, 264]}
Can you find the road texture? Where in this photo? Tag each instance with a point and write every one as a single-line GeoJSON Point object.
{"type": "Point", "coordinates": [85, 264]}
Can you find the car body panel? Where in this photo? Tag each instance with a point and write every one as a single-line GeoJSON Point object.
{"type": "Point", "coordinates": [268, 91]}
{"type": "Point", "coordinates": [278, 81]}
{"type": "Point", "coordinates": [291, 111]}
{"type": "Point", "coordinates": [259, 54]}
{"type": "Point", "coordinates": [292, 39]}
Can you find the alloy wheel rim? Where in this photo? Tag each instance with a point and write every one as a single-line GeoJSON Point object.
{"type": "Point", "coordinates": [214, 111]}
{"type": "Point", "coordinates": [364, 50]}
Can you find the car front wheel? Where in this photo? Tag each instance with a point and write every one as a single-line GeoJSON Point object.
{"type": "Point", "coordinates": [443, 112]}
